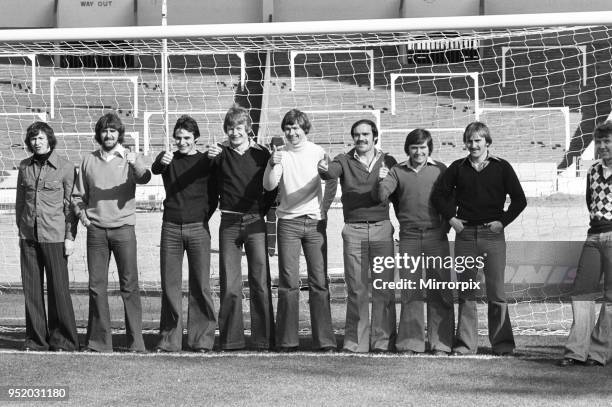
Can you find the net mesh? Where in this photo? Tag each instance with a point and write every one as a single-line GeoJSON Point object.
{"type": "Point", "coordinates": [540, 90]}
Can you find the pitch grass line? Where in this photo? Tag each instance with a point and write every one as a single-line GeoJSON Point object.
{"type": "Point", "coordinates": [269, 355]}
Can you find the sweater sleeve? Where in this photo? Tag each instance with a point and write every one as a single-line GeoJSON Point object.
{"type": "Point", "coordinates": [588, 191]}
{"type": "Point", "coordinates": [157, 167]}
{"type": "Point", "coordinates": [334, 169]}
{"type": "Point", "coordinates": [272, 176]}
{"type": "Point", "coordinates": [443, 193]}
{"type": "Point", "coordinates": [513, 187]}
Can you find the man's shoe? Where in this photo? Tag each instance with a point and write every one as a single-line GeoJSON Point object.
{"type": "Point", "coordinates": [328, 349]}
{"type": "Point", "coordinates": [439, 353]}
{"type": "Point", "coordinates": [287, 349]}
{"type": "Point", "coordinates": [87, 349]}
{"type": "Point", "coordinates": [161, 350]}
{"type": "Point", "coordinates": [456, 353]}
{"type": "Point", "coordinates": [406, 352]}
{"type": "Point", "coordinates": [566, 362]}
{"type": "Point", "coordinates": [201, 350]}
{"type": "Point", "coordinates": [504, 353]}
{"type": "Point", "coordinates": [593, 363]}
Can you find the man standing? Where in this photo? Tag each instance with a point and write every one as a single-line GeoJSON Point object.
{"type": "Point", "coordinates": [104, 201]}
{"type": "Point", "coordinates": [239, 168]}
{"type": "Point", "coordinates": [367, 233]}
{"type": "Point", "coordinates": [422, 234]}
{"type": "Point", "coordinates": [47, 228]}
{"type": "Point", "coordinates": [300, 223]}
{"type": "Point", "coordinates": [471, 196]}
{"type": "Point", "coordinates": [191, 199]}
{"type": "Point", "coordinates": [590, 344]}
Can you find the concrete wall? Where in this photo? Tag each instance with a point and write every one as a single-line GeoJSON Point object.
{"type": "Point", "coordinates": [27, 14]}
{"type": "Point", "coordinates": [95, 13]}
{"type": "Point", "coordinates": [148, 12]}
{"type": "Point", "coordinates": [544, 6]}
{"type": "Point", "coordinates": [214, 11]}
{"type": "Point", "coordinates": [440, 8]}
{"type": "Point", "coordinates": [302, 10]}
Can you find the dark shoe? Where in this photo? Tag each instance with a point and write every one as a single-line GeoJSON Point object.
{"type": "Point", "coordinates": [379, 351]}
{"type": "Point", "coordinates": [137, 351]}
{"type": "Point", "coordinates": [286, 349]}
{"type": "Point", "coordinates": [593, 363]}
{"type": "Point", "coordinates": [407, 352]}
{"type": "Point", "coordinates": [439, 353]}
{"type": "Point", "coordinates": [504, 353]}
{"type": "Point", "coordinates": [456, 353]}
{"type": "Point", "coordinates": [201, 350]}
{"type": "Point", "coordinates": [328, 349]}
{"type": "Point", "coordinates": [87, 349]}
{"type": "Point", "coordinates": [161, 350]}
{"type": "Point", "coordinates": [566, 362]}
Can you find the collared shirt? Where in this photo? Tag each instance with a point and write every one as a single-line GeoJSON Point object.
{"type": "Point", "coordinates": [370, 165]}
{"type": "Point", "coordinates": [42, 208]}
{"type": "Point", "coordinates": [117, 151]}
{"type": "Point", "coordinates": [481, 165]}
{"type": "Point", "coordinates": [607, 171]}
{"type": "Point", "coordinates": [408, 164]}
{"type": "Point", "coordinates": [252, 144]}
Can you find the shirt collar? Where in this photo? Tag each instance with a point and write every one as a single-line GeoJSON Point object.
{"type": "Point", "coordinates": [52, 160]}
{"type": "Point", "coordinates": [377, 154]}
{"type": "Point", "coordinates": [252, 144]}
{"type": "Point", "coordinates": [490, 156]}
{"type": "Point", "coordinates": [430, 161]}
{"type": "Point", "coordinates": [118, 150]}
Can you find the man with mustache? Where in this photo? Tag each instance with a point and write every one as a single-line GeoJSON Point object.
{"type": "Point", "coordinates": [471, 196]}
{"type": "Point", "coordinates": [367, 233]}
{"type": "Point", "coordinates": [104, 200]}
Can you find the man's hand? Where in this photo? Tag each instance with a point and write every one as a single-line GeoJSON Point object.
{"type": "Point", "coordinates": [457, 224]}
{"type": "Point", "coordinates": [85, 222]}
{"type": "Point", "coordinates": [167, 158]}
{"type": "Point", "coordinates": [383, 172]}
{"type": "Point", "coordinates": [495, 226]}
{"type": "Point", "coordinates": [276, 157]}
{"type": "Point", "coordinates": [323, 165]}
{"type": "Point", "coordinates": [68, 247]}
{"type": "Point", "coordinates": [130, 157]}
{"type": "Point", "coordinates": [214, 151]}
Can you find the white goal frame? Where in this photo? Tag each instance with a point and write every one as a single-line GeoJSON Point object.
{"type": "Point", "coordinates": [32, 58]}
{"type": "Point", "coordinates": [473, 75]}
{"type": "Point", "coordinates": [565, 110]}
{"type": "Point", "coordinates": [581, 48]}
{"type": "Point", "coordinates": [41, 116]}
{"type": "Point", "coordinates": [54, 79]}
{"type": "Point", "coordinates": [368, 52]}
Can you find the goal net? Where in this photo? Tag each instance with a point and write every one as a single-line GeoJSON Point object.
{"type": "Point", "coordinates": [540, 89]}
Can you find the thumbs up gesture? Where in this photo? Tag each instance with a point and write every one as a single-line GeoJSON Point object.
{"type": "Point", "coordinates": [130, 156]}
{"type": "Point", "coordinates": [276, 157]}
{"type": "Point", "coordinates": [323, 165]}
{"type": "Point", "coordinates": [384, 171]}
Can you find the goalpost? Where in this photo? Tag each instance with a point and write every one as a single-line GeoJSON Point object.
{"type": "Point", "coordinates": [541, 116]}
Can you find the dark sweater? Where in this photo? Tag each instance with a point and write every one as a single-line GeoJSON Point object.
{"type": "Point", "coordinates": [190, 189]}
{"type": "Point", "coordinates": [413, 190]}
{"type": "Point", "coordinates": [357, 183]}
{"type": "Point", "coordinates": [480, 196]}
{"type": "Point", "coordinates": [239, 180]}
{"type": "Point", "coordinates": [599, 199]}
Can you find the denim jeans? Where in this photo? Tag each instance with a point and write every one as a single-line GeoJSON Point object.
{"type": "Point", "coordinates": [431, 245]}
{"type": "Point", "coordinates": [60, 333]}
{"type": "Point", "coordinates": [477, 241]}
{"type": "Point", "coordinates": [587, 339]}
{"type": "Point", "coordinates": [176, 239]}
{"type": "Point", "coordinates": [310, 235]}
{"type": "Point", "coordinates": [121, 242]}
{"type": "Point", "coordinates": [362, 242]}
{"type": "Point", "coordinates": [235, 232]}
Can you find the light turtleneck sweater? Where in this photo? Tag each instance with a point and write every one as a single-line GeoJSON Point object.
{"type": "Point", "coordinates": [299, 181]}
